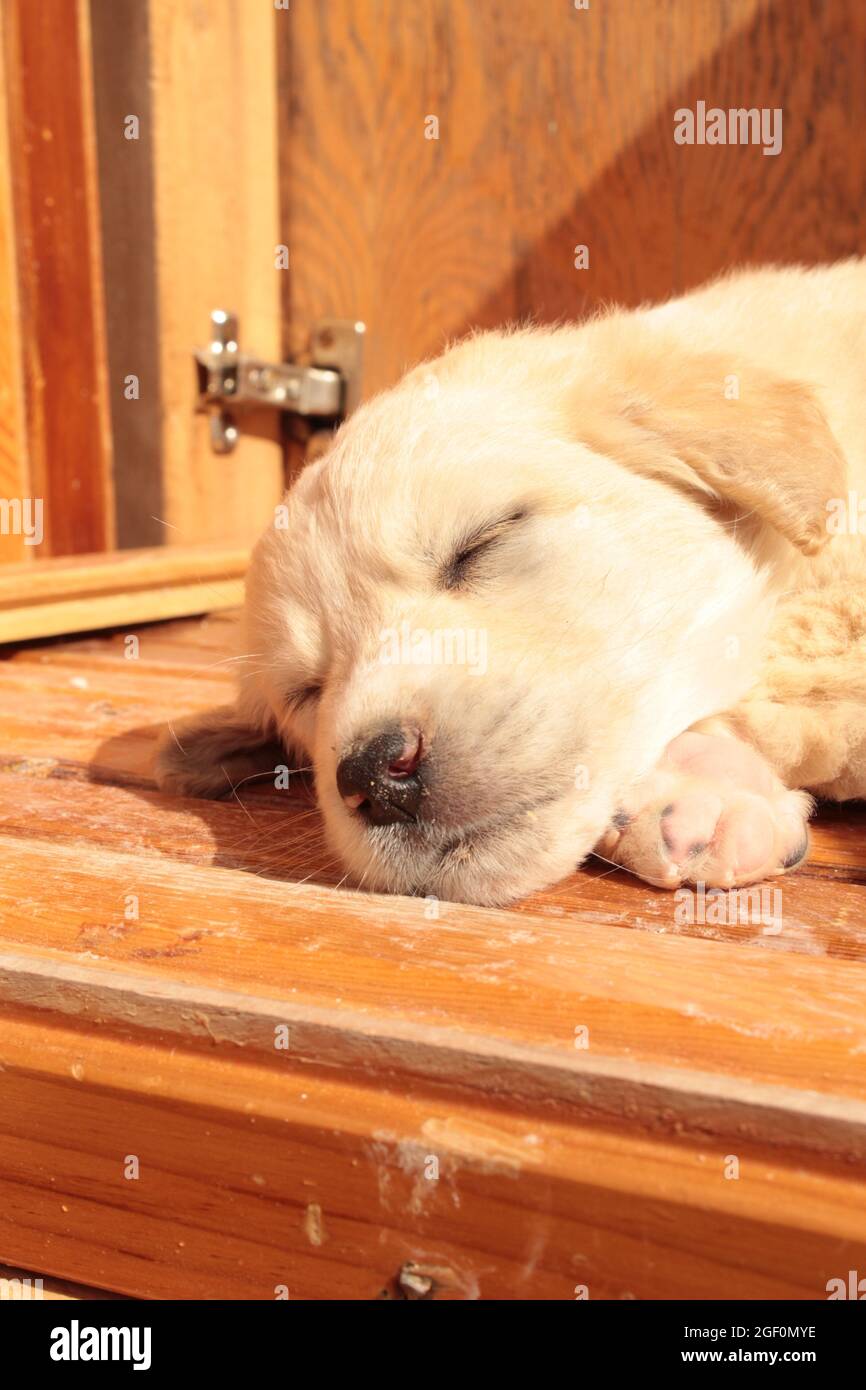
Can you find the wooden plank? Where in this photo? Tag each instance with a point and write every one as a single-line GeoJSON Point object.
{"type": "Point", "coordinates": [126, 607]}
{"type": "Point", "coordinates": [518, 980]}
{"type": "Point", "coordinates": [14, 471]}
{"type": "Point", "coordinates": [187, 642]}
{"type": "Point", "coordinates": [128, 587]}
{"type": "Point", "coordinates": [417, 1043]}
{"type": "Point", "coordinates": [480, 225]}
{"type": "Point", "coordinates": [56, 213]}
{"type": "Point", "coordinates": [254, 1179]}
{"type": "Point", "coordinates": [255, 1174]}
{"type": "Point", "coordinates": [217, 227]}
{"type": "Point", "coordinates": [278, 835]}
{"type": "Point", "coordinates": [101, 716]}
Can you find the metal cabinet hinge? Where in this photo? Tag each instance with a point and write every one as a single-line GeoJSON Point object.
{"type": "Point", "coordinates": [327, 388]}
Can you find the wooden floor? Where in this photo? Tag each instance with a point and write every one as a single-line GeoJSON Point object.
{"type": "Point", "coordinates": [524, 1103]}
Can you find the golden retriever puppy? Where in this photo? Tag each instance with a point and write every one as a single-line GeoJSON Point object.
{"type": "Point", "coordinates": [593, 586]}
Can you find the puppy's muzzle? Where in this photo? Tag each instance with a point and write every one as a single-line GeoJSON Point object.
{"type": "Point", "coordinates": [382, 779]}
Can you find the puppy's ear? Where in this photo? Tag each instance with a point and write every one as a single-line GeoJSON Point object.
{"type": "Point", "coordinates": [209, 754]}
{"type": "Point", "coordinates": [736, 433]}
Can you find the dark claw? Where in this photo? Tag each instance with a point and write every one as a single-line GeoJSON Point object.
{"type": "Point", "coordinates": [799, 854]}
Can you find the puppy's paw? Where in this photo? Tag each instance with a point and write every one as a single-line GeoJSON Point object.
{"type": "Point", "coordinates": [712, 812]}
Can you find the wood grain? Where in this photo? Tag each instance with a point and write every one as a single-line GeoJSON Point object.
{"type": "Point", "coordinates": [52, 146]}
{"type": "Point", "coordinates": [217, 227]}
{"type": "Point", "coordinates": [102, 714]}
{"type": "Point", "coordinates": [411, 1040]}
{"type": "Point", "coordinates": [123, 248]}
{"type": "Point", "coordinates": [481, 989]}
{"type": "Point", "coordinates": [13, 444]}
{"type": "Point", "coordinates": [131, 586]}
{"type": "Point", "coordinates": [254, 1179]}
{"type": "Point", "coordinates": [555, 130]}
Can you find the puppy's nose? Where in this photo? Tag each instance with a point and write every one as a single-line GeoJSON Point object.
{"type": "Point", "coordinates": [382, 778]}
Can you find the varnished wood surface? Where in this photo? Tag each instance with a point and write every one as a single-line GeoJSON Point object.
{"type": "Point", "coordinates": [59, 309]}
{"type": "Point", "coordinates": [113, 253]}
{"type": "Point", "coordinates": [212, 87]}
{"type": "Point", "coordinates": [13, 447]}
{"type": "Point", "coordinates": [449, 1039]}
{"type": "Point", "coordinates": [412, 1038]}
{"type": "Point", "coordinates": [555, 130]}
{"type": "Point", "coordinates": [254, 1179]}
{"type": "Point", "coordinates": [131, 586]}
{"type": "Point", "coordinates": [79, 711]}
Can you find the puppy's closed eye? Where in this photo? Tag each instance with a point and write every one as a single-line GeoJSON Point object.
{"type": "Point", "coordinates": [303, 695]}
{"type": "Point", "coordinates": [458, 570]}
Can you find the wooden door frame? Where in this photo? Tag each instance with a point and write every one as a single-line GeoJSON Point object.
{"type": "Point", "coordinates": [182, 219]}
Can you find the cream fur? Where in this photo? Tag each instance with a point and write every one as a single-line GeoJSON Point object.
{"type": "Point", "coordinates": [673, 564]}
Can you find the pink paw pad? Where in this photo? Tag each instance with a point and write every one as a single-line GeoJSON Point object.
{"type": "Point", "coordinates": [713, 812]}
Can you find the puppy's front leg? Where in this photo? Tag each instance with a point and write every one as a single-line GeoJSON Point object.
{"type": "Point", "coordinates": [712, 811]}
{"type": "Point", "coordinates": [807, 714]}
{"type": "Point", "coordinates": [722, 806]}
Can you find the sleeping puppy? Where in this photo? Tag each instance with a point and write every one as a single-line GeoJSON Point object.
{"type": "Point", "coordinates": [537, 599]}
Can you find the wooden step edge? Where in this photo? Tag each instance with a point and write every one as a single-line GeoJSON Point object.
{"type": "Point", "coordinates": [378, 1049]}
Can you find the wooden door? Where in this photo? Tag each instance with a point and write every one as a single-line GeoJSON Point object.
{"type": "Point", "coordinates": [427, 166]}
{"type": "Point", "coordinates": [138, 191]}
{"type": "Point", "coordinates": [441, 160]}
